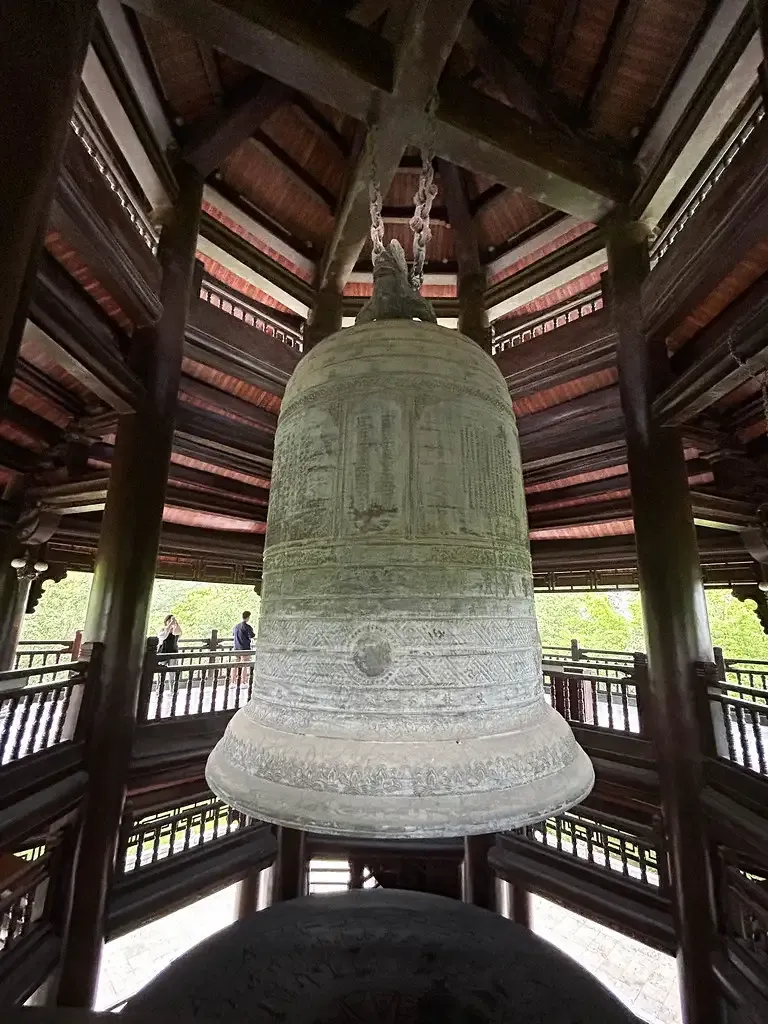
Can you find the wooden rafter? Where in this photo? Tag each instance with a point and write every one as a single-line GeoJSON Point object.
{"type": "Point", "coordinates": [707, 366]}
{"type": "Point", "coordinates": [462, 227]}
{"type": "Point", "coordinates": [210, 141]}
{"type": "Point", "coordinates": [428, 40]}
{"type": "Point", "coordinates": [562, 31]}
{"type": "Point", "coordinates": [353, 70]}
{"type": "Point", "coordinates": [611, 53]}
{"type": "Point", "coordinates": [495, 52]}
{"type": "Point", "coordinates": [295, 170]}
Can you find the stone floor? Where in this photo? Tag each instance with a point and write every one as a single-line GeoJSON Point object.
{"type": "Point", "coordinates": [642, 978]}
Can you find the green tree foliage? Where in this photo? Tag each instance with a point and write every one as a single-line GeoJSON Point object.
{"type": "Point", "coordinates": [217, 606]}
{"type": "Point", "coordinates": [199, 607]}
{"type": "Point", "coordinates": [595, 620]}
{"type": "Point", "coordinates": [605, 621]}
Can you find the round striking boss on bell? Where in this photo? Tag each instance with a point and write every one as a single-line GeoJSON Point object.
{"type": "Point", "coordinates": [397, 685]}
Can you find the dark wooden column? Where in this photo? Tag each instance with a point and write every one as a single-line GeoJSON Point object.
{"type": "Point", "coordinates": [479, 876]}
{"type": "Point", "coordinates": [15, 592]}
{"type": "Point", "coordinates": [676, 625]}
{"type": "Point", "coordinates": [290, 867]}
{"type": "Point", "coordinates": [761, 17]}
{"type": "Point", "coordinates": [121, 593]}
{"type": "Point", "coordinates": [325, 318]}
{"type": "Point", "coordinates": [248, 895]}
{"type": "Point", "coordinates": [520, 905]}
{"type": "Point", "coordinates": [45, 43]}
{"type": "Point", "coordinates": [473, 318]}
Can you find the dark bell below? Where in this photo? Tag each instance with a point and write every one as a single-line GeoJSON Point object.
{"type": "Point", "coordinates": [380, 957]}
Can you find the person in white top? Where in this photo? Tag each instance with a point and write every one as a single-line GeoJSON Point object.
{"type": "Point", "coordinates": [168, 636]}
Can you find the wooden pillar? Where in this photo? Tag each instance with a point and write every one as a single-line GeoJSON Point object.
{"type": "Point", "coordinates": [520, 905]}
{"type": "Point", "coordinates": [760, 8]}
{"type": "Point", "coordinates": [45, 46]}
{"type": "Point", "coordinates": [248, 895]}
{"type": "Point", "coordinates": [121, 594]}
{"type": "Point", "coordinates": [473, 318]}
{"type": "Point", "coordinates": [290, 867]}
{"type": "Point", "coordinates": [677, 630]}
{"type": "Point", "coordinates": [479, 876]}
{"type": "Point", "coordinates": [325, 318]}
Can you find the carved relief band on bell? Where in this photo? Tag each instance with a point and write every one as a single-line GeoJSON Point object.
{"type": "Point", "coordinates": [367, 779]}
{"type": "Point", "coordinates": [421, 723]}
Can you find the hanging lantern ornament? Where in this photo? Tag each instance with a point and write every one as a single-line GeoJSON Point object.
{"type": "Point", "coordinates": [397, 682]}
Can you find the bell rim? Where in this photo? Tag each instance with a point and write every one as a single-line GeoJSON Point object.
{"type": "Point", "coordinates": [447, 821]}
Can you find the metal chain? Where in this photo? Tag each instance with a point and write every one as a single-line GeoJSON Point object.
{"type": "Point", "coordinates": [375, 198]}
{"type": "Point", "coordinates": [761, 379]}
{"type": "Point", "coordinates": [423, 199]}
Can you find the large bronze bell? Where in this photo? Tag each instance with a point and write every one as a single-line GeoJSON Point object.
{"type": "Point", "coordinates": [398, 687]}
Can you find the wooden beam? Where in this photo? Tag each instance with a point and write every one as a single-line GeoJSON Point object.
{"type": "Point", "coordinates": [488, 137]}
{"type": "Point", "coordinates": [706, 366]}
{"type": "Point", "coordinates": [307, 108]}
{"type": "Point", "coordinates": [220, 441]}
{"type": "Point", "coordinates": [215, 482]}
{"type": "Point", "coordinates": [309, 47]}
{"type": "Point", "coordinates": [428, 39]}
{"type": "Point", "coordinates": [720, 235]}
{"type": "Point", "coordinates": [473, 320]}
{"type": "Point", "coordinates": [248, 262]}
{"type": "Point", "coordinates": [76, 333]}
{"type": "Point", "coordinates": [211, 140]}
{"type": "Point", "coordinates": [574, 350]}
{"type": "Point", "coordinates": [353, 70]}
{"type": "Point", "coordinates": [219, 504]}
{"type": "Point", "coordinates": [718, 76]}
{"type": "Point", "coordinates": [34, 379]}
{"type": "Point", "coordinates": [295, 170]}
{"type": "Point", "coordinates": [611, 54]}
{"type": "Point", "coordinates": [31, 423]}
{"type": "Point", "coordinates": [91, 218]}
{"type": "Point", "coordinates": [73, 496]}
{"type": "Point", "coordinates": [708, 510]}
{"type": "Point", "coordinates": [216, 339]}
{"type": "Point", "coordinates": [487, 198]}
{"type": "Point", "coordinates": [594, 407]}
{"type": "Point", "coordinates": [585, 253]}
{"type": "Point", "coordinates": [562, 31]}
{"type": "Point", "coordinates": [563, 444]}
{"type": "Point", "coordinates": [41, 76]}
{"type": "Point", "coordinates": [223, 400]}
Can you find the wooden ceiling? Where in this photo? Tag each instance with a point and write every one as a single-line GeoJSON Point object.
{"type": "Point", "coordinates": [546, 115]}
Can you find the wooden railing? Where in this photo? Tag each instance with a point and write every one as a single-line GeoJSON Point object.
{"type": "Point", "coordinates": [84, 126]}
{"type": "Point", "coordinates": [156, 837]}
{"type": "Point", "coordinates": [237, 306]}
{"type": "Point", "coordinates": [40, 653]}
{"type": "Point", "coordinates": [23, 896]}
{"type": "Point", "coordinates": [602, 845]}
{"type": "Point", "coordinates": [743, 904]}
{"type": "Point", "coordinates": [549, 320]}
{"type": "Point", "coordinates": [602, 694]}
{"type": "Point", "coordinates": [194, 683]}
{"type": "Point", "coordinates": [702, 188]}
{"type": "Point", "coordinates": [35, 717]}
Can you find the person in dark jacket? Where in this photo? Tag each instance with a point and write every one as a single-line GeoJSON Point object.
{"type": "Point", "coordinates": [243, 635]}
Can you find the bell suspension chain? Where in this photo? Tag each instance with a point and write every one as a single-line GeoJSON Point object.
{"type": "Point", "coordinates": [375, 198]}
{"type": "Point", "coordinates": [423, 199]}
